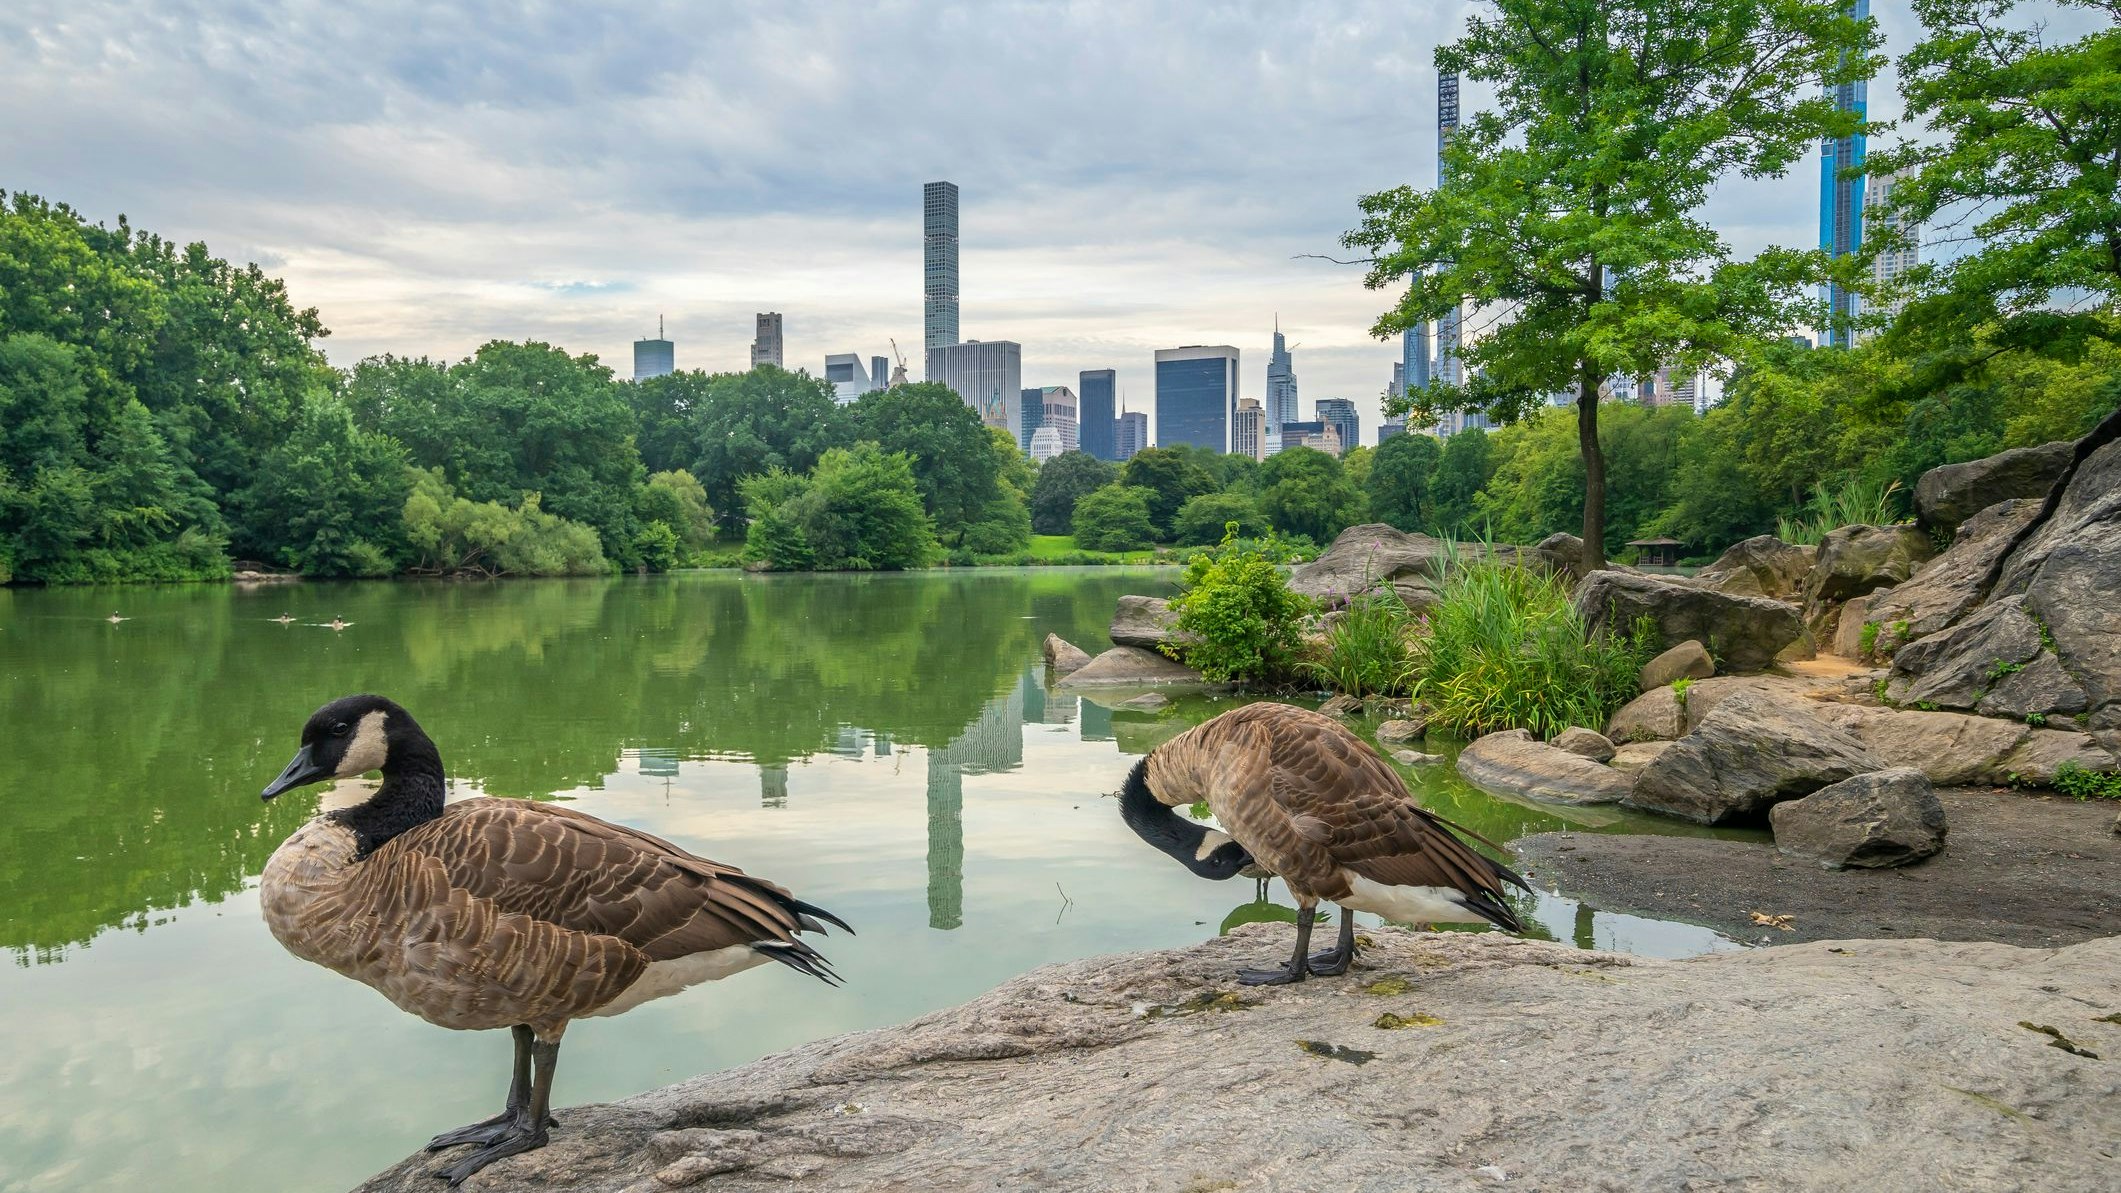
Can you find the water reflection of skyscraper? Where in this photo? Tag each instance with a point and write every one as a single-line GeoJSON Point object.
{"type": "Point", "coordinates": [992, 743]}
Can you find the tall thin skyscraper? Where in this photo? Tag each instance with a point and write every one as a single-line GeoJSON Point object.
{"type": "Point", "coordinates": [1447, 328]}
{"type": "Point", "coordinates": [1841, 199]}
{"type": "Point", "coordinates": [1280, 406]}
{"type": "Point", "coordinates": [1887, 266]}
{"type": "Point", "coordinates": [766, 340]}
{"type": "Point", "coordinates": [1095, 390]}
{"type": "Point", "coordinates": [654, 358]}
{"type": "Point", "coordinates": [939, 265]}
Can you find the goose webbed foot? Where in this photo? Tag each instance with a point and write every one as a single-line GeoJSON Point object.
{"type": "Point", "coordinates": [483, 1132]}
{"type": "Point", "coordinates": [1280, 975]}
{"type": "Point", "coordinates": [516, 1137]}
{"type": "Point", "coordinates": [1333, 962]}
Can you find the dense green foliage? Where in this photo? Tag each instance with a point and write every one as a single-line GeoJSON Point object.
{"type": "Point", "coordinates": [1236, 613]}
{"type": "Point", "coordinates": [859, 510]}
{"type": "Point", "coordinates": [1368, 647]}
{"type": "Point", "coordinates": [1114, 518]}
{"type": "Point", "coordinates": [1400, 480]}
{"type": "Point", "coordinates": [1062, 481]}
{"type": "Point", "coordinates": [1203, 520]}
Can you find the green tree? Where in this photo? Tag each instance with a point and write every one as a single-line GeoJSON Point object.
{"type": "Point", "coordinates": [664, 409]}
{"type": "Point", "coordinates": [774, 538]}
{"type": "Point", "coordinates": [1571, 206]}
{"type": "Point", "coordinates": [862, 511]}
{"type": "Point", "coordinates": [1114, 518]}
{"type": "Point", "coordinates": [1203, 520]}
{"type": "Point", "coordinates": [1238, 616]}
{"type": "Point", "coordinates": [1461, 473]}
{"type": "Point", "coordinates": [677, 500]}
{"type": "Point", "coordinates": [1307, 492]}
{"type": "Point", "coordinates": [1170, 475]}
{"type": "Point", "coordinates": [1398, 484]}
{"type": "Point", "coordinates": [746, 424]}
{"type": "Point", "coordinates": [1063, 480]}
{"type": "Point", "coordinates": [955, 460]}
{"type": "Point", "coordinates": [335, 495]}
{"type": "Point", "coordinates": [451, 534]}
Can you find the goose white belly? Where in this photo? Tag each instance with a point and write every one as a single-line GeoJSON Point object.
{"type": "Point", "coordinates": [1409, 904]}
{"type": "Point", "coordinates": [664, 978]}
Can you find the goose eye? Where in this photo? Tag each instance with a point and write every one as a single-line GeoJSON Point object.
{"type": "Point", "coordinates": [341, 729]}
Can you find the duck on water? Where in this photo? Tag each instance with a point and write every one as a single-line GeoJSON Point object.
{"type": "Point", "coordinates": [1300, 796]}
{"type": "Point", "coordinates": [491, 913]}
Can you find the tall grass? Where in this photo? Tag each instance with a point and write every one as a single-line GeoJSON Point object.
{"type": "Point", "coordinates": [1368, 649]}
{"type": "Point", "coordinates": [1852, 502]}
{"type": "Point", "coordinates": [1504, 648]}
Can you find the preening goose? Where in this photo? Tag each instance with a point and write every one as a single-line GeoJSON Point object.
{"type": "Point", "coordinates": [1302, 797]}
{"type": "Point", "coordinates": [501, 912]}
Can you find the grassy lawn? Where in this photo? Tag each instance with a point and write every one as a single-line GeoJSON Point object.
{"type": "Point", "coordinates": [1054, 546]}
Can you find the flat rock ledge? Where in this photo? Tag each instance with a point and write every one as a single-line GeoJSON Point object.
{"type": "Point", "coordinates": [1883, 1065]}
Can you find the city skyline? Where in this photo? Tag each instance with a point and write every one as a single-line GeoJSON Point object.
{"type": "Point", "coordinates": [427, 201]}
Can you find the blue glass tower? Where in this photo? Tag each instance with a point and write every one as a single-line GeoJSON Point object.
{"type": "Point", "coordinates": [1841, 199]}
{"type": "Point", "coordinates": [1095, 390]}
{"type": "Point", "coordinates": [1196, 396]}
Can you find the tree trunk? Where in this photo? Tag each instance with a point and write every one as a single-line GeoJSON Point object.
{"type": "Point", "coordinates": [1587, 383]}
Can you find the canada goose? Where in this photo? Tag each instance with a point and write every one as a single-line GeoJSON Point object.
{"type": "Point", "coordinates": [337, 623]}
{"type": "Point", "coordinates": [500, 912]}
{"type": "Point", "coordinates": [1303, 798]}
{"type": "Point", "coordinates": [114, 619]}
{"type": "Point", "coordinates": [285, 619]}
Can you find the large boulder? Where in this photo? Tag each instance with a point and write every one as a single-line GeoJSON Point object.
{"type": "Point", "coordinates": [1885, 818]}
{"type": "Point", "coordinates": [1761, 566]}
{"type": "Point", "coordinates": [1584, 743]}
{"type": "Point", "coordinates": [1946, 588]}
{"type": "Point", "coordinates": [1563, 553]}
{"type": "Point", "coordinates": [1750, 753]}
{"type": "Point", "coordinates": [1655, 715]}
{"type": "Point", "coordinates": [1951, 494]}
{"type": "Point", "coordinates": [1374, 555]}
{"type": "Point", "coordinates": [1063, 657]}
{"type": "Point", "coordinates": [1514, 763]}
{"type": "Point", "coordinates": [2069, 569]}
{"type": "Point", "coordinates": [1688, 660]}
{"type": "Point", "coordinates": [1635, 755]}
{"type": "Point", "coordinates": [1147, 622]}
{"type": "Point", "coordinates": [1959, 749]}
{"type": "Point", "coordinates": [1744, 632]}
{"type": "Point", "coordinates": [1855, 560]}
{"type": "Point", "coordinates": [1130, 666]}
{"type": "Point", "coordinates": [1956, 668]}
{"type": "Point", "coordinates": [2039, 690]}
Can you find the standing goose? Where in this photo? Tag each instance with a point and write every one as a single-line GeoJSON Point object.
{"type": "Point", "coordinates": [1305, 799]}
{"type": "Point", "coordinates": [503, 913]}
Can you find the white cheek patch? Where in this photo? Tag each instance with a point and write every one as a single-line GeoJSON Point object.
{"type": "Point", "coordinates": [1213, 841]}
{"type": "Point", "coordinates": [368, 750]}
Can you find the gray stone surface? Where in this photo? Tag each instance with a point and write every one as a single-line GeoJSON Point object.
{"type": "Point", "coordinates": [1885, 1065]}
{"type": "Point", "coordinates": [1885, 818]}
{"type": "Point", "coordinates": [2041, 689]}
{"type": "Point", "coordinates": [1847, 640]}
{"type": "Point", "coordinates": [1396, 731]}
{"type": "Point", "coordinates": [1635, 755]}
{"type": "Point", "coordinates": [1130, 666]}
{"type": "Point", "coordinates": [1747, 755]}
{"type": "Point", "coordinates": [1959, 748]}
{"type": "Point", "coordinates": [1761, 566]}
{"type": "Point", "coordinates": [1341, 706]}
{"type": "Point", "coordinates": [1948, 587]}
{"type": "Point", "coordinates": [1147, 622]}
{"type": "Point", "coordinates": [1854, 560]}
{"type": "Point", "coordinates": [1364, 558]}
{"type": "Point", "coordinates": [1515, 763]}
{"type": "Point", "coordinates": [1063, 656]}
{"type": "Point", "coordinates": [1955, 668]}
{"type": "Point", "coordinates": [1688, 660]}
{"type": "Point", "coordinates": [1949, 495]}
{"type": "Point", "coordinates": [1652, 716]}
{"type": "Point", "coordinates": [1417, 758]}
{"type": "Point", "coordinates": [1585, 743]}
{"type": "Point", "coordinates": [1563, 552]}
{"type": "Point", "coordinates": [1146, 702]}
{"type": "Point", "coordinates": [1744, 632]}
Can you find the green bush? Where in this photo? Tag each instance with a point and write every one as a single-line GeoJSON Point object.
{"type": "Point", "coordinates": [658, 547]}
{"type": "Point", "coordinates": [1367, 649]}
{"type": "Point", "coordinates": [1114, 518]}
{"type": "Point", "coordinates": [2072, 779]}
{"type": "Point", "coordinates": [450, 534]}
{"type": "Point", "coordinates": [1506, 649]}
{"type": "Point", "coordinates": [1240, 620]}
{"type": "Point", "coordinates": [859, 511]}
{"type": "Point", "coordinates": [1853, 502]}
{"type": "Point", "coordinates": [1202, 521]}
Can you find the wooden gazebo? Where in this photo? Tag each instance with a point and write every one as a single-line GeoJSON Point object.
{"type": "Point", "coordinates": [1657, 553]}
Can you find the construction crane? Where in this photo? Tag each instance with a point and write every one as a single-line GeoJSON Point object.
{"type": "Point", "coordinates": [898, 375]}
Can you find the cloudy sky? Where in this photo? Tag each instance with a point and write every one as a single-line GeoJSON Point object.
{"type": "Point", "coordinates": [434, 174]}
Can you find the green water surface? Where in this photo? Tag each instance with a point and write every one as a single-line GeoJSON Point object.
{"type": "Point", "coordinates": [882, 745]}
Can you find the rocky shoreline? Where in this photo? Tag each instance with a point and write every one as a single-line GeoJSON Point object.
{"type": "Point", "coordinates": [1444, 1061]}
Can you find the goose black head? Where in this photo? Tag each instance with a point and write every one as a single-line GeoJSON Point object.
{"type": "Point", "coordinates": [352, 736]}
{"type": "Point", "coordinates": [1205, 851]}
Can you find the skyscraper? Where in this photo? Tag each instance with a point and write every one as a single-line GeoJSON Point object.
{"type": "Point", "coordinates": [939, 266]}
{"type": "Point", "coordinates": [1060, 410]}
{"type": "Point", "coordinates": [1196, 395]}
{"type": "Point", "coordinates": [1248, 430]}
{"type": "Point", "coordinates": [1339, 413]}
{"type": "Point", "coordinates": [988, 376]}
{"type": "Point", "coordinates": [849, 380]}
{"type": "Point", "coordinates": [1130, 434]}
{"type": "Point", "coordinates": [654, 358]}
{"type": "Point", "coordinates": [1889, 264]}
{"type": "Point", "coordinates": [1446, 371]}
{"type": "Point", "coordinates": [1094, 390]}
{"type": "Point", "coordinates": [879, 372]}
{"type": "Point", "coordinates": [1281, 383]}
{"type": "Point", "coordinates": [1386, 430]}
{"type": "Point", "coordinates": [1032, 416]}
{"type": "Point", "coordinates": [1841, 199]}
{"type": "Point", "coordinates": [766, 340]}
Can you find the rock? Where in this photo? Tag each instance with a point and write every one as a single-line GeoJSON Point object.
{"type": "Point", "coordinates": [1688, 660]}
{"type": "Point", "coordinates": [1954, 669]}
{"type": "Point", "coordinates": [1704, 695]}
{"type": "Point", "coordinates": [1769, 567]}
{"type": "Point", "coordinates": [1417, 758]}
{"type": "Point", "coordinates": [1124, 666]}
{"type": "Point", "coordinates": [1855, 560]}
{"type": "Point", "coordinates": [1146, 702]}
{"type": "Point", "coordinates": [1095, 1074]}
{"type": "Point", "coordinates": [1652, 716]}
{"type": "Point", "coordinates": [1394, 732]}
{"type": "Point", "coordinates": [1748, 754]}
{"type": "Point", "coordinates": [1744, 632]}
{"type": "Point", "coordinates": [1584, 743]}
{"type": "Point", "coordinates": [2040, 689]}
{"type": "Point", "coordinates": [1514, 763]}
{"type": "Point", "coordinates": [1374, 555]}
{"type": "Point", "coordinates": [1955, 748]}
{"type": "Point", "coordinates": [1946, 588]}
{"type": "Point", "coordinates": [2069, 569]}
{"type": "Point", "coordinates": [1147, 622]}
{"type": "Point", "coordinates": [1063, 656]}
{"type": "Point", "coordinates": [1635, 755]}
{"type": "Point", "coordinates": [1951, 494]}
{"type": "Point", "coordinates": [1885, 818]}
{"type": "Point", "coordinates": [1342, 706]}
{"type": "Point", "coordinates": [1562, 553]}
{"type": "Point", "coordinates": [1848, 628]}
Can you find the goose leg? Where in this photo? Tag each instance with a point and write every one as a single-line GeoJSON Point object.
{"type": "Point", "coordinates": [1299, 965]}
{"type": "Point", "coordinates": [1334, 961]}
{"type": "Point", "coordinates": [525, 1132]}
{"type": "Point", "coordinates": [488, 1130]}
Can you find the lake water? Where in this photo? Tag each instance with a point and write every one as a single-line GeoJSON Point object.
{"type": "Point", "coordinates": [883, 745]}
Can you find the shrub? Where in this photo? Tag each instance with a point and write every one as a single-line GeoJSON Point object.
{"type": "Point", "coordinates": [1203, 521]}
{"type": "Point", "coordinates": [1506, 649]}
{"type": "Point", "coordinates": [1367, 651]}
{"type": "Point", "coordinates": [658, 547]}
{"type": "Point", "coordinates": [2073, 779]}
{"type": "Point", "coordinates": [1854, 502]}
{"type": "Point", "coordinates": [1114, 518]}
{"type": "Point", "coordinates": [1004, 527]}
{"type": "Point", "coordinates": [1235, 608]}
